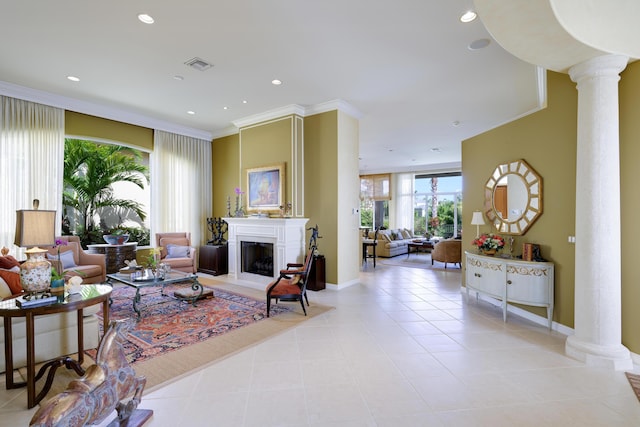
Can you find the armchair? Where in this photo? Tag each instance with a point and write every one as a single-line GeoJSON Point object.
{"type": "Point", "coordinates": [177, 251]}
{"type": "Point", "coordinates": [291, 285]}
{"type": "Point", "coordinates": [91, 267]}
{"type": "Point", "coordinates": [447, 251]}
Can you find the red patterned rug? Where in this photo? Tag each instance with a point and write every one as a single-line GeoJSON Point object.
{"type": "Point", "coordinates": [167, 324]}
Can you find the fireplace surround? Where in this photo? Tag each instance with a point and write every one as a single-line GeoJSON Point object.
{"type": "Point", "coordinates": [286, 235]}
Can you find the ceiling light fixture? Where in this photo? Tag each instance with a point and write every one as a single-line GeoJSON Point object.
{"type": "Point", "coordinates": [244, 101]}
{"type": "Point", "coordinates": [468, 16]}
{"type": "Point", "coordinates": [73, 78]}
{"type": "Point", "coordinates": [455, 123]}
{"type": "Point", "coordinates": [479, 44]}
{"type": "Point", "coordinates": [144, 18]}
{"type": "Point", "coordinates": [276, 82]}
{"type": "Point", "coordinates": [199, 64]}
{"type": "Point", "coordinates": [435, 149]}
{"type": "Point", "coordinates": [179, 78]}
{"type": "Point", "coordinates": [225, 108]}
{"type": "Point", "coordinates": [191, 112]}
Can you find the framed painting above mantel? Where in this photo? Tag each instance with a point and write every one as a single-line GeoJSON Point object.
{"type": "Point", "coordinates": [265, 188]}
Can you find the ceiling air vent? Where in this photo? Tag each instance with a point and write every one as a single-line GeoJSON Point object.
{"type": "Point", "coordinates": [198, 64]}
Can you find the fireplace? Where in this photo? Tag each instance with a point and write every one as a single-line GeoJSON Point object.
{"type": "Point", "coordinates": [257, 258]}
{"type": "Point", "coordinates": [284, 236]}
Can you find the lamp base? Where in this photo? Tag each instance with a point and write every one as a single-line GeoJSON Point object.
{"type": "Point", "coordinates": [35, 272]}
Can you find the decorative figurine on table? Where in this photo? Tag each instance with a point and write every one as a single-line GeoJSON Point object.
{"type": "Point", "coordinates": [217, 227]}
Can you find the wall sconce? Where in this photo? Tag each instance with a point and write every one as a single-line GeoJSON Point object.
{"type": "Point", "coordinates": [477, 219]}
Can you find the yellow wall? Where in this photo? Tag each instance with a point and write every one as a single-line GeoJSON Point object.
{"type": "Point", "coordinates": [91, 127]}
{"type": "Point", "coordinates": [547, 141]}
{"type": "Point", "coordinates": [630, 203]}
{"type": "Point", "coordinates": [225, 163]}
{"type": "Point", "coordinates": [321, 184]}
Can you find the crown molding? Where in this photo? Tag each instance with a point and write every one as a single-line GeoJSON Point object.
{"type": "Point", "coordinates": [427, 168]}
{"type": "Point", "coordinates": [299, 110]}
{"type": "Point", "coordinates": [84, 107]}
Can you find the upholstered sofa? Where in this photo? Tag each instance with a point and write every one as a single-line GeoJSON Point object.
{"type": "Point", "coordinates": [91, 267]}
{"type": "Point", "coordinates": [448, 251]}
{"type": "Point", "coordinates": [56, 335]}
{"type": "Point", "coordinates": [393, 242]}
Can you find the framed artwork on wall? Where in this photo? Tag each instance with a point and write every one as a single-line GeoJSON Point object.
{"type": "Point", "coordinates": [265, 188]}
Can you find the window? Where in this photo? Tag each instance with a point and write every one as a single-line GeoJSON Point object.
{"type": "Point", "coordinates": [438, 205]}
{"type": "Point", "coordinates": [375, 193]}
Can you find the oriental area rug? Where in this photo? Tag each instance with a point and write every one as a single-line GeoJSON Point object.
{"type": "Point", "coordinates": [173, 338]}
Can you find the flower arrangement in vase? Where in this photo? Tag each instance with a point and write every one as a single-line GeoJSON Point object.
{"type": "Point", "coordinates": [239, 209]}
{"type": "Point", "coordinates": [489, 244]}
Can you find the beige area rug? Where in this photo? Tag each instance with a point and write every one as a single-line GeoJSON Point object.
{"type": "Point", "coordinates": [415, 260]}
{"type": "Point", "coordinates": [634, 380]}
{"type": "Point", "coordinates": [176, 364]}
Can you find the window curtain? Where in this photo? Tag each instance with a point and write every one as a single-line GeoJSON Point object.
{"type": "Point", "coordinates": [31, 161]}
{"type": "Point", "coordinates": [180, 185]}
{"type": "Point", "coordinates": [403, 206]}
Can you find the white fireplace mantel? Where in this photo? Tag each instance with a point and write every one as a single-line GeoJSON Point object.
{"type": "Point", "coordinates": [286, 234]}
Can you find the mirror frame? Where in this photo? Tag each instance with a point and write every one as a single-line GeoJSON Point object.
{"type": "Point", "coordinates": [533, 210]}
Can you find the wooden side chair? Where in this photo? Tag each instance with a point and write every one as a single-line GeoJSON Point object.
{"type": "Point", "coordinates": [370, 243]}
{"type": "Point", "coordinates": [291, 285]}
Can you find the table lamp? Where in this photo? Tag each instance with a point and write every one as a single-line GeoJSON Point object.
{"type": "Point", "coordinates": [477, 219]}
{"type": "Point", "coordinates": [35, 228]}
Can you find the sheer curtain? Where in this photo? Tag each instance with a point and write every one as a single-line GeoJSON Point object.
{"type": "Point", "coordinates": [180, 185]}
{"type": "Point", "coordinates": [31, 161]}
{"type": "Point", "coordinates": [403, 207]}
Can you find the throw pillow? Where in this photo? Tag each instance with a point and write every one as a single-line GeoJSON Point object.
{"type": "Point", "coordinates": [5, 291]}
{"type": "Point", "coordinates": [12, 280]}
{"type": "Point", "coordinates": [175, 251]}
{"type": "Point", "coordinates": [8, 262]}
{"type": "Point", "coordinates": [406, 234]}
{"type": "Point", "coordinates": [66, 258]}
{"type": "Point", "coordinates": [165, 241]}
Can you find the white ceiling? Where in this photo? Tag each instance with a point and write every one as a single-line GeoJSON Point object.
{"type": "Point", "coordinates": [404, 66]}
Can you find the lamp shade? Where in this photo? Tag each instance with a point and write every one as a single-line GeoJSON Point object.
{"type": "Point", "coordinates": [35, 228]}
{"type": "Point", "coordinates": [477, 218]}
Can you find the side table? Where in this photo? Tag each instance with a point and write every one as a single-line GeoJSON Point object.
{"type": "Point", "coordinates": [116, 255]}
{"type": "Point", "coordinates": [317, 280]}
{"type": "Point", "coordinates": [214, 259]}
{"type": "Point", "coordinates": [89, 295]}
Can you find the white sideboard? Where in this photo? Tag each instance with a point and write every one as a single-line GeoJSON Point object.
{"type": "Point", "coordinates": [511, 281]}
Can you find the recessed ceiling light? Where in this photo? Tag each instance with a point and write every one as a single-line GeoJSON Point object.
{"type": "Point", "coordinates": [225, 108]}
{"type": "Point", "coordinates": [73, 78]}
{"type": "Point", "coordinates": [435, 149]}
{"type": "Point", "coordinates": [191, 112]}
{"type": "Point", "coordinates": [147, 19]}
{"type": "Point", "coordinates": [479, 44]}
{"type": "Point", "coordinates": [276, 82]}
{"type": "Point", "coordinates": [244, 101]}
{"type": "Point", "coordinates": [455, 123]}
{"type": "Point", "coordinates": [179, 78]}
{"type": "Point", "coordinates": [468, 16]}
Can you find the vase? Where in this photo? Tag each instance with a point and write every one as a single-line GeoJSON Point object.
{"type": "Point", "coordinates": [57, 285]}
{"type": "Point", "coordinates": [489, 252]}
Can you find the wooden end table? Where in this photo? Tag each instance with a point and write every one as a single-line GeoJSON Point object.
{"type": "Point", "coordinates": [89, 295]}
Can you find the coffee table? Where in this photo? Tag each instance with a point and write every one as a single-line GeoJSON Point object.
{"type": "Point", "coordinates": [425, 244]}
{"type": "Point", "coordinates": [171, 278]}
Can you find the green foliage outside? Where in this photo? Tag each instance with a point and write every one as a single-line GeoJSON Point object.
{"type": "Point", "coordinates": [90, 170]}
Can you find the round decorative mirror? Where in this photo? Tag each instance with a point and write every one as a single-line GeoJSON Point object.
{"type": "Point", "coordinates": [513, 197]}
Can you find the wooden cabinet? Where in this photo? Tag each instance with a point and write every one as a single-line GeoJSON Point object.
{"type": "Point", "coordinates": [511, 281]}
{"type": "Point", "coordinates": [317, 280]}
{"type": "Point", "coordinates": [213, 259]}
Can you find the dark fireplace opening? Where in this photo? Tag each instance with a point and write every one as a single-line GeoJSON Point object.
{"type": "Point", "coordinates": [257, 258]}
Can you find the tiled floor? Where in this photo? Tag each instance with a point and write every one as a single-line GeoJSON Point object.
{"type": "Point", "coordinates": [402, 348]}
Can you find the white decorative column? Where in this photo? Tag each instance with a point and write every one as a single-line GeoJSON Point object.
{"type": "Point", "coordinates": [598, 336]}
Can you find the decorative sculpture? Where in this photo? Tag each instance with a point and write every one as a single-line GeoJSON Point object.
{"type": "Point", "coordinates": [313, 240]}
{"type": "Point", "coordinates": [217, 227]}
{"type": "Point", "coordinates": [103, 388]}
